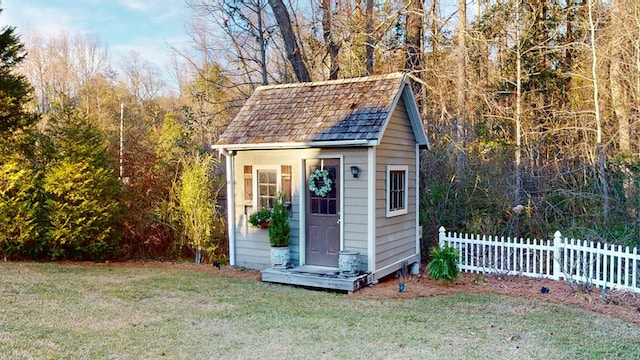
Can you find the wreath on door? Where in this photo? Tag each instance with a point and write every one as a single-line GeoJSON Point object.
{"type": "Point", "coordinates": [320, 182]}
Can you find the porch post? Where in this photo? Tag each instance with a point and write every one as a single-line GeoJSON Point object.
{"type": "Point", "coordinates": [231, 203]}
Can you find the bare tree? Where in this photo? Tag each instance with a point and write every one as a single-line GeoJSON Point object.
{"type": "Point", "coordinates": [618, 75]}
{"type": "Point", "coordinates": [330, 44]}
{"type": "Point", "coordinates": [369, 43]}
{"type": "Point", "coordinates": [461, 99]}
{"type": "Point", "coordinates": [294, 53]}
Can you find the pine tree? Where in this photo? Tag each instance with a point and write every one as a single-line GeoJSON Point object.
{"type": "Point", "coordinates": [83, 205]}
{"type": "Point", "coordinates": [14, 88]}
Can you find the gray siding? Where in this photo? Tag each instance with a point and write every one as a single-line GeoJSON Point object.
{"type": "Point", "coordinates": [355, 197]}
{"type": "Point", "coordinates": [252, 244]}
{"type": "Point", "coordinates": [396, 236]}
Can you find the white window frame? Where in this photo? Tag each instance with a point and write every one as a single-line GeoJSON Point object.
{"type": "Point", "coordinates": [405, 169]}
{"type": "Point", "coordinates": [256, 169]}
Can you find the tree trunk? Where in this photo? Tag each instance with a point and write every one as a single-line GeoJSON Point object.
{"type": "Point", "coordinates": [618, 76]}
{"type": "Point", "coordinates": [517, 193]}
{"type": "Point", "coordinates": [294, 55]}
{"type": "Point", "coordinates": [332, 47]}
{"type": "Point", "coordinates": [413, 40]}
{"type": "Point", "coordinates": [596, 108]}
{"type": "Point", "coordinates": [369, 41]}
{"type": "Point", "coordinates": [413, 45]}
{"type": "Point", "coordinates": [461, 100]}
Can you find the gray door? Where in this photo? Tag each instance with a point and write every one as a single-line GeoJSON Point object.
{"type": "Point", "coordinates": [323, 214]}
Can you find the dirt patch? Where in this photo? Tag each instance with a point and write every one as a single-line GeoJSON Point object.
{"type": "Point", "coordinates": [619, 304]}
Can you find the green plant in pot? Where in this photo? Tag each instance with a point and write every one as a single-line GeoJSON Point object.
{"type": "Point", "coordinates": [261, 218]}
{"type": "Point", "coordinates": [279, 232]}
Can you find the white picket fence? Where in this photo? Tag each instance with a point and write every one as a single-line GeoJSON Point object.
{"type": "Point", "coordinates": [600, 264]}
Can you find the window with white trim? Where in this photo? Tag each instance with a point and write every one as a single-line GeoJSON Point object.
{"type": "Point", "coordinates": [397, 189]}
{"type": "Point", "coordinates": [265, 186]}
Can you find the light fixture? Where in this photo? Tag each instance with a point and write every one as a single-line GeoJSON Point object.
{"type": "Point", "coordinates": [354, 171]}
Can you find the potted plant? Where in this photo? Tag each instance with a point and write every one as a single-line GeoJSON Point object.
{"type": "Point", "coordinates": [260, 218]}
{"type": "Point", "coordinates": [279, 231]}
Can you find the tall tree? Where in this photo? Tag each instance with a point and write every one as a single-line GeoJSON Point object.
{"type": "Point", "coordinates": [413, 41]}
{"type": "Point", "coordinates": [591, 5]}
{"type": "Point", "coordinates": [83, 193]}
{"type": "Point", "coordinates": [369, 42]}
{"type": "Point", "coordinates": [14, 88]}
{"type": "Point", "coordinates": [619, 73]}
{"type": "Point", "coordinates": [461, 99]}
{"type": "Point", "coordinates": [294, 53]}
{"type": "Point", "coordinates": [331, 45]}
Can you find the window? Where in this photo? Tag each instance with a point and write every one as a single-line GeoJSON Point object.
{"type": "Point", "coordinates": [267, 186]}
{"type": "Point", "coordinates": [261, 183]}
{"type": "Point", "coordinates": [397, 185]}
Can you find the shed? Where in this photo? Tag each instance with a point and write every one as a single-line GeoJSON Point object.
{"type": "Point", "coordinates": [366, 133]}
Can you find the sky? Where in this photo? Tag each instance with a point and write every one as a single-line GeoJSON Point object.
{"type": "Point", "coordinates": [147, 27]}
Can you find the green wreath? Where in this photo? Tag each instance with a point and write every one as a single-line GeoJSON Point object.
{"type": "Point", "coordinates": [323, 176]}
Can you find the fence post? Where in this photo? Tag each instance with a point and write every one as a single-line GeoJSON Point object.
{"type": "Point", "coordinates": [441, 236]}
{"type": "Point", "coordinates": [557, 240]}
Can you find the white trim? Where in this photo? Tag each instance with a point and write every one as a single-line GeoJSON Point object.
{"type": "Point", "coordinates": [417, 210]}
{"type": "Point", "coordinates": [371, 209]}
{"type": "Point", "coordinates": [414, 116]}
{"type": "Point", "coordinates": [254, 181]}
{"type": "Point", "coordinates": [341, 214]}
{"type": "Point", "coordinates": [405, 210]}
{"type": "Point", "coordinates": [302, 215]}
{"type": "Point", "coordinates": [231, 203]}
{"type": "Point", "coordinates": [298, 145]}
{"type": "Point", "coordinates": [384, 271]}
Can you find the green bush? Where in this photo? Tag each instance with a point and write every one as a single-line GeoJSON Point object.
{"type": "Point", "coordinates": [83, 210]}
{"type": "Point", "coordinates": [201, 222]}
{"type": "Point", "coordinates": [21, 232]}
{"type": "Point", "coordinates": [279, 228]}
{"type": "Point", "coordinates": [444, 264]}
{"type": "Point", "coordinates": [84, 196]}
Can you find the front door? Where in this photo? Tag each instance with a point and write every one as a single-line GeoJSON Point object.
{"type": "Point", "coordinates": [323, 212]}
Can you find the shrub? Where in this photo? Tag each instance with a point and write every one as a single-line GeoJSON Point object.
{"type": "Point", "coordinates": [198, 212]}
{"type": "Point", "coordinates": [21, 231]}
{"type": "Point", "coordinates": [84, 211]}
{"type": "Point", "coordinates": [279, 228]}
{"type": "Point", "coordinates": [444, 264]}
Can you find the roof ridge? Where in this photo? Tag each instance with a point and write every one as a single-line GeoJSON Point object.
{"type": "Point", "coordinates": [392, 75]}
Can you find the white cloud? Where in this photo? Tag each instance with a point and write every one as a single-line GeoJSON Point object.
{"type": "Point", "coordinates": [139, 5]}
{"type": "Point", "coordinates": [44, 20]}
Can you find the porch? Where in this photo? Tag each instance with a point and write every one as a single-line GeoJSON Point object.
{"type": "Point", "coordinates": [317, 277]}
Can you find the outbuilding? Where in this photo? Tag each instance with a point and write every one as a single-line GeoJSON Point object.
{"type": "Point", "coordinates": [363, 135]}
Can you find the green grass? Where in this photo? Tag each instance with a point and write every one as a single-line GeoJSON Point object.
{"type": "Point", "coordinates": [54, 311]}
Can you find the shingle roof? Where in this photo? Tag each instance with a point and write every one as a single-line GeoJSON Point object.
{"type": "Point", "coordinates": [350, 109]}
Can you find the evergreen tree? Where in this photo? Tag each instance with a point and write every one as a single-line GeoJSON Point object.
{"type": "Point", "coordinates": [83, 194]}
{"type": "Point", "coordinates": [20, 191]}
{"type": "Point", "coordinates": [14, 88]}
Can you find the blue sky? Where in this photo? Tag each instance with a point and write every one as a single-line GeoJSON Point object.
{"type": "Point", "coordinates": [143, 26]}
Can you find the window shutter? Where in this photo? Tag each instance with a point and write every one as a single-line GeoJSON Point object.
{"type": "Point", "coordinates": [285, 171]}
{"type": "Point", "coordinates": [248, 185]}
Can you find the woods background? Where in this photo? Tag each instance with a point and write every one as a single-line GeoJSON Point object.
{"type": "Point", "coordinates": [531, 107]}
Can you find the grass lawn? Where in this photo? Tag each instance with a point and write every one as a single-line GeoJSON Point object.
{"type": "Point", "coordinates": [61, 311]}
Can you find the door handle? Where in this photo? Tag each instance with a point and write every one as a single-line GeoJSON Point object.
{"type": "Point", "coordinates": [338, 222]}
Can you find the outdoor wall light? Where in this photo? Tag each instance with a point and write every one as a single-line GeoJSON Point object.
{"type": "Point", "coordinates": [354, 171]}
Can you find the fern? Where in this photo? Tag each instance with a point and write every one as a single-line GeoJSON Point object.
{"type": "Point", "coordinates": [444, 264]}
